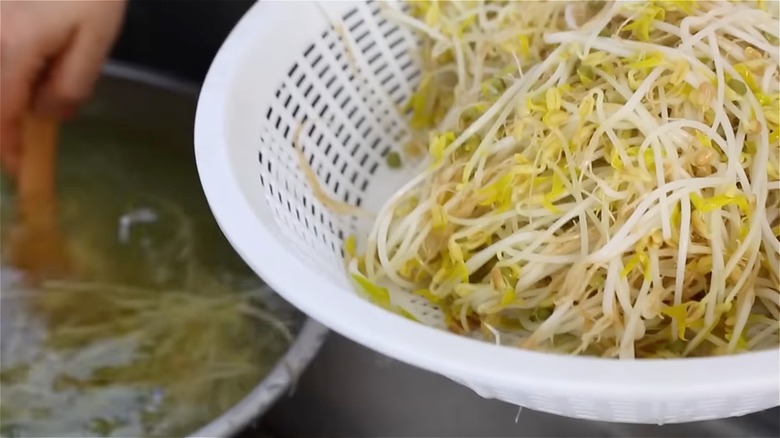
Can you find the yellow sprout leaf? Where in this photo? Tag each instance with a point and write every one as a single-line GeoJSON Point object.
{"type": "Point", "coordinates": [555, 118]}
{"type": "Point", "coordinates": [681, 69]}
{"type": "Point", "coordinates": [457, 260]}
{"type": "Point", "coordinates": [521, 159]}
{"type": "Point", "coordinates": [639, 258]}
{"type": "Point", "coordinates": [498, 193]}
{"type": "Point", "coordinates": [586, 107]}
{"type": "Point", "coordinates": [585, 74]}
{"type": "Point", "coordinates": [680, 314]}
{"type": "Point", "coordinates": [412, 269]}
{"type": "Point", "coordinates": [464, 290]}
{"type": "Point", "coordinates": [615, 161]}
{"type": "Point", "coordinates": [553, 99]}
{"type": "Point", "coordinates": [433, 15]}
{"type": "Point", "coordinates": [438, 217]}
{"type": "Point", "coordinates": [525, 45]}
{"type": "Point", "coordinates": [648, 156]}
{"type": "Point", "coordinates": [420, 103]}
{"type": "Point", "coordinates": [407, 315]}
{"type": "Point", "coordinates": [466, 23]}
{"type": "Point", "coordinates": [556, 191]}
{"type": "Point", "coordinates": [533, 106]}
{"type": "Point", "coordinates": [647, 61]}
{"type": "Point", "coordinates": [426, 293]}
{"type": "Point", "coordinates": [744, 230]}
{"type": "Point", "coordinates": [703, 139]}
{"type": "Point", "coordinates": [741, 342]}
{"type": "Point", "coordinates": [513, 274]}
{"type": "Point", "coordinates": [706, 205]}
{"type": "Point", "coordinates": [508, 297]}
{"type": "Point", "coordinates": [676, 216]}
{"type": "Point", "coordinates": [633, 81]}
{"type": "Point", "coordinates": [763, 99]}
{"type": "Point", "coordinates": [471, 144]}
{"type": "Point", "coordinates": [593, 59]}
{"type": "Point", "coordinates": [439, 143]}
{"type": "Point", "coordinates": [350, 246]}
{"type": "Point", "coordinates": [456, 253]}
{"type": "Point", "coordinates": [686, 6]}
{"type": "Point", "coordinates": [642, 25]}
{"type": "Point", "coordinates": [377, 294]}
{"type": "Point", "coordinates": [747, 76]}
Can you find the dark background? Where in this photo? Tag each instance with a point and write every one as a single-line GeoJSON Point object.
{"type": "Point", "coordinates": [178, 37]}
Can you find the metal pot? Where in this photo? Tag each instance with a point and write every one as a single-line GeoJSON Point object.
{"type": "Point", "coordinates": [134, 106]}
{"type": "Point", "coordinates": [174, 101]}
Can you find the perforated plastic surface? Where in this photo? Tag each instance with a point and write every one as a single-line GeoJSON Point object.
{"type": "Point", "coordinates": [339, 102]}
{"type": "Point", "coordinates": [332, 84]}
{"type": "Point", "coordinates": [343, 102]}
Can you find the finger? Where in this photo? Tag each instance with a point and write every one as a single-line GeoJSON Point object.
{"type": "Point", "coordinates": [17, 74]}
{"type": "Point", "coordinates": [24, 51]}
{"type": "Point", "coordinates": [71, 77]}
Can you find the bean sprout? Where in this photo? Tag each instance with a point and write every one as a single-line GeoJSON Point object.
{"type": "Point", "coordinates": [602, 178]}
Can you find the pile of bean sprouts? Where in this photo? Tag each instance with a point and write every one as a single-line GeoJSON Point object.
{"type": "Point", "coordinates": [601, 178]}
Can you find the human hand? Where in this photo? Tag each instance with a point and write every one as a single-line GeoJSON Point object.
{"type": "Point", "coordinates": [51, 53]}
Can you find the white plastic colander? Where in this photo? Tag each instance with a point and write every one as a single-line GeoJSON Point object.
{"type": "Point", "coordinates": [286, 65]}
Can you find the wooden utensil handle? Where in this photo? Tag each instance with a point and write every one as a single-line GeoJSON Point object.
{"type": "Point", "coordinates": [35, 190]}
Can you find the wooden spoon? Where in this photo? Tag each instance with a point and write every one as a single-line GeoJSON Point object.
{"type": "Point", "coordinates": [37, 246]}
